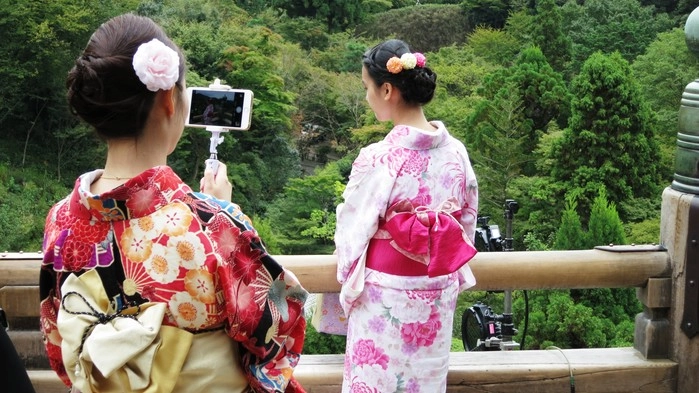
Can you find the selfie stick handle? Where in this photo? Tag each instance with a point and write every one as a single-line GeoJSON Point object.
{"type": "Point", "coordinates": [216, 138]}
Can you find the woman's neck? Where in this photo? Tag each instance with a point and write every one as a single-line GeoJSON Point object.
{"type": "Point", "coordinates": [413, 117]}
{"type": "Point", "coordinates": [127, 158]}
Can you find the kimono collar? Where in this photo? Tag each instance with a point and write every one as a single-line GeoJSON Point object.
{"type": "Point", "coordinates": [138, 197]}
{"type": "Point", "coordinates": [418, 139]}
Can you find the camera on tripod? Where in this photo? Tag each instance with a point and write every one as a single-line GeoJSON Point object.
{"type": "Point", "coordinates": [484, 330]}
{"type": "Point", "coordinates": [481, 328]}
{"type": "Point", "coordinates": [488, 236]}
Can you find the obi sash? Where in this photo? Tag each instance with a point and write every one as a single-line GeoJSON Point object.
{"type": "Point", "coordinates": [131, 351]}
{"type": "Point", "coordinates": [421, 240]}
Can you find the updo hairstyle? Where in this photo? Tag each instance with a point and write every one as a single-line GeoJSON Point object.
{"type": "Point", "coordinates": [103, 88]}
{"type": "Point", "coordinates": [416, 85]}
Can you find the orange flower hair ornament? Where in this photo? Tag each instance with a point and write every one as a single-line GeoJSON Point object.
{"type": "Point", "coordinates": [407, 61]}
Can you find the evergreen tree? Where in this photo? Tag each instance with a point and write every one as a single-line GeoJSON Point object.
{"type": "Point", "coordinates": [610, 139]}
{"type": "Point", "coordinates": [337, 14]}
{"type": "Point", "coordinates": [663, 72]}
{"type": "Point", "coordinates": [549, 35]}
{"type": "Point", "coordinates": [617, 306]}
{"type": "Point", "coordinates": [605, 226]}
{"type": "Point", "coordinates": [540, 90]}
{"type": "Point", "coordinates": [570, 235]}
{"type": "Point", "coordinates": [611, 25]}
{"type": "Point", "coordinates": [496, 146]}
{"type": "Point", "coordinates": [491, 13]}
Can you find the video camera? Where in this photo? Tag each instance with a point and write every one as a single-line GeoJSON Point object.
{"type": "Point", "coordinates": [484, 330]}
{"type": "Point", "coordinates": [488, 237]}
{"type": "Point", "coordinates": [481, 328]}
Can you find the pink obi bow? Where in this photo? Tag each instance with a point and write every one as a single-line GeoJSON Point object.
{"type": "Point", "coordinates": [432, 237]}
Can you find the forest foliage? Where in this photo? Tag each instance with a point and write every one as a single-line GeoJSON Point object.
{"type": "Point", "coordinates": [569, 107]}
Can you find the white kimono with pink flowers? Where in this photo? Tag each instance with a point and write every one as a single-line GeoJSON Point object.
{"type": "Point", "coordinates": [400, 325]}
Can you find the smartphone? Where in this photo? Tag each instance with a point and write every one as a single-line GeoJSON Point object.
{"type": "Point", "coordinates": [229, 109]}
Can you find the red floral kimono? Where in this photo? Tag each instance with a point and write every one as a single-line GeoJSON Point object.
{"type": "Point", "coordinates": [155, 240]}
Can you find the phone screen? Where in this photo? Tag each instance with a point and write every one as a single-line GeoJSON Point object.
{"type": "Point", "coordinates": [221, 108]}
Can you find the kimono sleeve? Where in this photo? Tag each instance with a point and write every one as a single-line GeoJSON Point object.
{"type": "Point", "coordinates": [469, 218]}
{"type": "Point", "coordinates": [366, 198]}
{"type": "Point", "coordinates": [49, 301]}
{"type": "Point", "coordinates": [265, 314]}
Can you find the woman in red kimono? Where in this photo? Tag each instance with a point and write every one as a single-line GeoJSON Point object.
{"type": "Point", "coordinates": [147, 285]}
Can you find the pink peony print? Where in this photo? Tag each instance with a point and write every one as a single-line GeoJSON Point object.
{"type": "Point", "coordinates": [421, 334]}
{"type": "Point", "coordinates": [365, 352]}
{"type": "Point", "coordinates": [416, 162]}
{"type": "Point", "coordinates": [429, 295]}
{"type": "Point", "coordinates": [361, 387]}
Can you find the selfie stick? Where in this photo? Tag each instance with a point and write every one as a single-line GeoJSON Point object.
{"type": "Point", "coordinates": [216, 138]}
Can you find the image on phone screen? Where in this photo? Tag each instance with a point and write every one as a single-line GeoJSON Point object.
{"type": "Point", "coordinates": [216, 108]}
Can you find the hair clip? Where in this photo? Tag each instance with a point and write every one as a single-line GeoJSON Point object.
{"type": "Point", "coordinates": [407, 61]}
{"type": "Point", "coordinates": [157, 65]}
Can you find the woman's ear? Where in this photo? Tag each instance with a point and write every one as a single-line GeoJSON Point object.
{"type": "Point", "coordinates": [387, 91]}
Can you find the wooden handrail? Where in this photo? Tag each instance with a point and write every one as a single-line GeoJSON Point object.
{"type": "Point", "coordinates": [631, 266]}
{"type": "Point", "coordinates": [533, 371]}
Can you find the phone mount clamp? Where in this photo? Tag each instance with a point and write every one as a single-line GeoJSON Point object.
{"type": "Point", "coordinates": [216, 138]}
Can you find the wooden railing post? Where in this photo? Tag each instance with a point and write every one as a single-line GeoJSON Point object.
{"type": "Point", "coordinates": [674, 231]}
{"type": "Point", "coordinates": [652, 333]}
{"type": "Point", "coordinates": [679, 232]}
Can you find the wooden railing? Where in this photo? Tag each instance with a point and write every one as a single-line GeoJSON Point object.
{"type": "Point", "coordinates": [663, 358]}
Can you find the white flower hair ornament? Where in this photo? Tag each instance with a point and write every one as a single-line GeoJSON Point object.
{"type": "Point", "coordinates": [157, 65]}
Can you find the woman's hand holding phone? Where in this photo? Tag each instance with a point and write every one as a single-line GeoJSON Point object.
{"type": "Point", "coordinates": [215, 182]}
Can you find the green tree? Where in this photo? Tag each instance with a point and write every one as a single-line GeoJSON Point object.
{"type": "Point", "coordinates": [342, 54]}
{"type": "Point", "coordinates": [556, 320]}
{"type": "Point", "coordinates": [304, 214]}
{"type": "Point", "coordinates": [307, 32]}
{"type": "Point", "coordinates": [426, 27]}
{"type": "Point", "coordinates": [495, 45]}
{"type": "Point", "coordinates": [549, 34]}
{"type": "Point", "coordinates": [560, 317]}
{"type": "Point", "coordinates": [332, 105]}
{"type": "Point", "coordinates": [605, 226]}
{"type": "Point", "coordinates": [25, 197]}
{"type": "Point", "coordinates": [491, 13]}
{"type": "Point", "coordinates": [663, 71]}
{"type": "Point", "coordinates": [608, 26]}
{"type": "Point", "coordinates": [570, 235]}
{"type": "Point", "coordinates": [41, 40]}
{"type": "Point", "coordinates": [540, 92]}
{"type": "Point", "coordinates": [617, 306]}
{"type": "Point", "coordinates": [496, 142]}
{"type": "Point", "coordinates": [520, 25]}
{"type": "Point", "coordinates": [337, 14]}
{"type": "Point", "coordinates": [610, 132]}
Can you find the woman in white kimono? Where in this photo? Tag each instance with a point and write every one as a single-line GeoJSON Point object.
{"type": "Point", "coordinates": [404, 234]}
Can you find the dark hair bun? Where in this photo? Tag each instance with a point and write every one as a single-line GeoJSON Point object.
{"type": "Point", "coordinates": [416, 85]}
{"type": "Point", "coordinates": [103, 88]}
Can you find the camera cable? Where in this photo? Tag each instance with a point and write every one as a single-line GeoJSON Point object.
{"type": "Point", "coordinates": [570, 368]}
